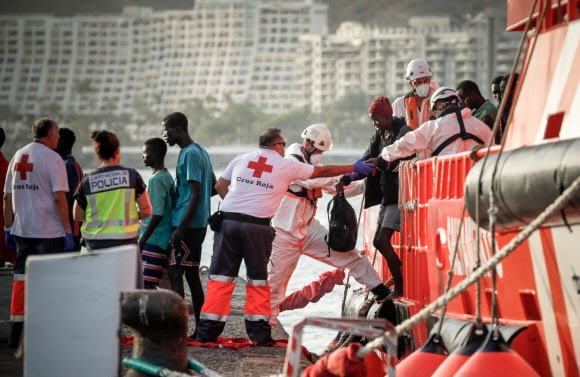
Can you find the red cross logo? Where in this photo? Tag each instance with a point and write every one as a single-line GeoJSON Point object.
{"type": "Point", "coordinates": [23, 167]}
{"type": "Point", "coordinates": [260, 167]}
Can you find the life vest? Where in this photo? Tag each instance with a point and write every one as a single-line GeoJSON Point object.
{"type": "Point", "coordinates": [311, 194]}
{"type": "Point", "coordinates": [414, 119]}
{"type": "Point", "coordinates": [111, 211]}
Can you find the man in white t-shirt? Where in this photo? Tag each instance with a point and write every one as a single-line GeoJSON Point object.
{"type": "Point", "coordinates": [35, 188]}
{"type": "Point", "coordinates": [253, 186]}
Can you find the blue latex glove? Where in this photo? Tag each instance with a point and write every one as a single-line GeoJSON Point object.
{"type": "Point", "coordinates": [69, 242]}
{"type": "Point", "coordinates": [362, 169]}
{"type": "Point", "coordinates": [348, 178]}
{"type": "Point", "coordinates": [9, 239]}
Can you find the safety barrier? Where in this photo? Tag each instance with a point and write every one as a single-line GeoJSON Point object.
{"type": "Point", "coordinates": [425, 187]}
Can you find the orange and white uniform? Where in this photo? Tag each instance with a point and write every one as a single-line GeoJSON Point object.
{"type": "Point", "coordinates": [433, 133]}
{"type": "Point", "coordinates": [415, 114]}
{"type": "Point", "coordinates": [298, 233]}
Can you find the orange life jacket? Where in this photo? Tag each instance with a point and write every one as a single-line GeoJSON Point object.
{"type": "Point", "coordinates": [412, 110]}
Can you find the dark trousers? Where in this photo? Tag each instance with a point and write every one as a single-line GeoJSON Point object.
{"type": "Point", "coordinates": [26, 247]}
{"type": "Point", "coordinates": [237, 241]}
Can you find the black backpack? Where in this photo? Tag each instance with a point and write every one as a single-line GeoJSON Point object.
{"type": "Point", "coordinates": [342, 227]}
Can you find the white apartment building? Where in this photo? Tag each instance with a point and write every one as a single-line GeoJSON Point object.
{"type": "Point", "coordinates": [146, 60]}
{"type": "Point", "coordinates": [276, 55]}
{"type": "Point", "coordinates": [373, 60]}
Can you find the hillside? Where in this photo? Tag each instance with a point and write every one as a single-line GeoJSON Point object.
{"type": "Point", "coordinates": [381, 12]}
{"type": "Point", "coordinates": [396, 13]}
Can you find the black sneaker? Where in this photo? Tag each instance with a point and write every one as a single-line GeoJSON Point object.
{"type": "Point", "coordinates": [380, 292]}
{"type": "Point", "coordinates": [12, 344]}
{"type": "Point", "coordinates": [396, 293]}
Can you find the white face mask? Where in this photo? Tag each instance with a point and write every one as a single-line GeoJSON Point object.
{"type": "Point", "coordinates": [316, 159]}
{"type": "Point", "coordinates": [422, 90]}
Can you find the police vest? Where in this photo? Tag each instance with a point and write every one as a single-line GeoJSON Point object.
{"type": "Point", "coordinates": [111, 212]}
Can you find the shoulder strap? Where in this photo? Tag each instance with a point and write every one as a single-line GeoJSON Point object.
{"type": "Point", "coordinates": [462, 134]}
{"type": "Point", "coordinates": [298, 157]}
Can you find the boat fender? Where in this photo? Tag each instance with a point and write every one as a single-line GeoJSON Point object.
{"type": "Point", "coordinates": [456, 332]}
{"type": "Point", "coordinates": [527, 181]}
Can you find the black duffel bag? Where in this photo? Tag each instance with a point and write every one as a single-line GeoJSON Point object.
{"type": "Point", "coordinates": [342, 227]}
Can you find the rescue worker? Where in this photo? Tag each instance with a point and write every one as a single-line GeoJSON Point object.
{"type": "Point", "coordinates": [35, 210]}
{"type": "Point", "coordinates": [455, 130]}
{"type": "Point", "coordinates": [111, 200]}
{"type": "Point", "coordinates": [298, 232]}
{"type": "Point", "coordinates": [252, 186]}
{"type": "Point", "coordinates": [415, 105]}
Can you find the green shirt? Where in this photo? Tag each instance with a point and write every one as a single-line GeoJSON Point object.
{"type": "Point", "coordinates": [160, 188]}
{"type": "Point", "coordinates": [487, 108]}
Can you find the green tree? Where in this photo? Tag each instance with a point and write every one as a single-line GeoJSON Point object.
{"type": "Point", "coordinates": [348, 119]}
{"type": "Point", "coordinates": [200, 111]}
{"type": "Point", "coordinates": [238, 124]}
{"type": "Point", "coordinates": [291, 123]}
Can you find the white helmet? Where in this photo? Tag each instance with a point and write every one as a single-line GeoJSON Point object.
{"type": "Point", "coordinates": [418, 68]}
{"type": "Point", "coordinates": [444, 94]}
{"type": "Point", "coordinates": [319, 135]}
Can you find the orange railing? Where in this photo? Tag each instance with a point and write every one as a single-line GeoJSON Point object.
{"type": "Point", "coordinates": [434, 179]}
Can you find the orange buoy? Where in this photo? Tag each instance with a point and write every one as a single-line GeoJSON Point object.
{"type": "Point", "coordinates": [425, 360]}
{"type": "Point", "coordinates": [460, 356]}
{"type": "Point", "coordinates": [496, 358]}
{"type": "Point", "coordinates": [375, 366]}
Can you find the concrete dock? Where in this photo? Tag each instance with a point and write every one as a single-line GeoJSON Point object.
{"type": "Point", "coordinates": [255, 361]}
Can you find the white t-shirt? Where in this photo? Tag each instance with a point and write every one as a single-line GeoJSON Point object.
{"type": "Point", "coordinates": [34, 174]}
{"type": "Point", "coordinates": [399, 107]}
{"type": "Point", "coordinates": [259, 180]}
